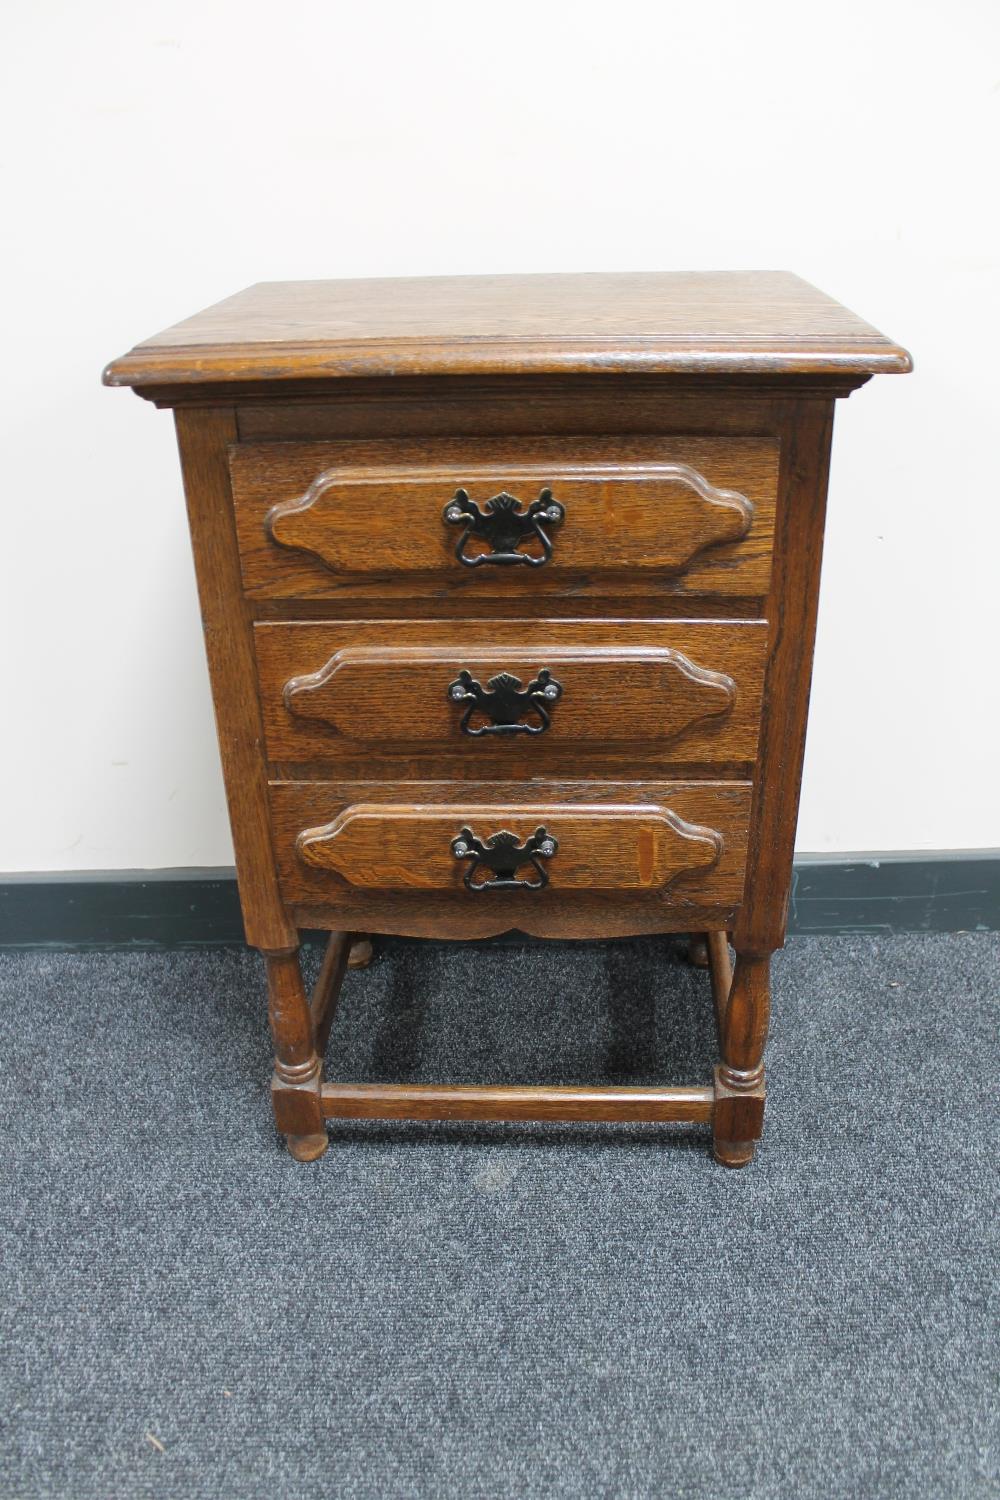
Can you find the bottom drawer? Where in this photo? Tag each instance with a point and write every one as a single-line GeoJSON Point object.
{"type": "Point", "coordinates": [510, 849]}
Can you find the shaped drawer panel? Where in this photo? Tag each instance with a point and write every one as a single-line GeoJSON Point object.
{"type": "Point", "coordinates": [332, 690]}
{"type": "Point", "coordinates": [505, 518]}
{"type": "Point", "coordinates": [513, 843]}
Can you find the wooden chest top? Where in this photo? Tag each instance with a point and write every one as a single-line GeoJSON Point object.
{"type": "Point", "coordinates": [681, 323]}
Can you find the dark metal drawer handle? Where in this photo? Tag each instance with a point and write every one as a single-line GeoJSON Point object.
{"type": "Point", "coordinates": [504, 525]}
{"type": "Point", "coordinates": [503, 853]}
{"type": "Point", "coordinates": [505, 702]}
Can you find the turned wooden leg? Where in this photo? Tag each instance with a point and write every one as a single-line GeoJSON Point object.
{"type": "Point", "coordinates": [298, 1072]}
{"type": "Point", "coordinates": [361, 951]}
{"type": "Point", "coordinates": [697, 950]}
{"type": "Point", "coordinates": [739, 1079]}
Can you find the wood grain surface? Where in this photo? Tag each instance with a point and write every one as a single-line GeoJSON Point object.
{"type": "Point", "coordinates": [524, 406]}
{"type": "Point", "coordinates": [313, 517]}
{"type": "Point", "coordinates": [428, 1101]}
{"type": "Point", "coordinates": [203, 437]}
{"type": "Point", "coordinates": [391, 834]}
{"type": "Point", "coordinates": [792, 608]}
{"type": "Point", "coordinates": [603, 847]}
{"type": "Point", "coordinates": [757, 322]}
{"type": "Point", "coordinates": [329, 691]}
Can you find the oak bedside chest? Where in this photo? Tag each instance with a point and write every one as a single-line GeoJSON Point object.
{"type": "Point", "coordinates": [509, 590]}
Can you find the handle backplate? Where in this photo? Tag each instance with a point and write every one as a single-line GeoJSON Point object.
{"type": "Point", "coordinates": [505, 526]}
{"type": "Point", "coordinates": [504, 854]}
{"type": "Point", "coordinates": [506, 703]}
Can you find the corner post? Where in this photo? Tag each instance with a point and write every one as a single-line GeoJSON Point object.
{"type": "Point", "coordinates": [296, 1088]}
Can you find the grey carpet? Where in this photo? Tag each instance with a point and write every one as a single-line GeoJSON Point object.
{"type": "Point", "coordinates": [500, 1311]}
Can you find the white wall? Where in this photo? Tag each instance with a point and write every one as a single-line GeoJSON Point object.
{"type": "Point", "coordinates": [161, 155]}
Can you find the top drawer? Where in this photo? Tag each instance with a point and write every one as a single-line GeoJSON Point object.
{"type": "Point", "coordinates": [506, 518]}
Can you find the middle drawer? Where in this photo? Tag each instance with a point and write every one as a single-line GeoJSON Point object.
{"type": "Point", "coordinates": [677, 689]}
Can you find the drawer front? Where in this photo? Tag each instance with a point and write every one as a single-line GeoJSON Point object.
{"type": "Point", "coordinates": [517, 688]}
{"type": "Point", "coordinates": [513, 844]}
{"type": "Point", "coordinates": [688, 514]}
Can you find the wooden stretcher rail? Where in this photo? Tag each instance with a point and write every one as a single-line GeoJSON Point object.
{"type": "Point", "coordinates": [720, 968]}
{"type": "Point", "coordinates": [326, 994]}
{"type": "Point", "coordinates": [395, 1101]}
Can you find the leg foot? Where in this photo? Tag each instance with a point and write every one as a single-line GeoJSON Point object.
{"type": "Point", "coordinates": [733, 1153]}
{"type": "Point", "coordinates": [307, 1147]}
{"type": "Point", "coordinates": [361, 952]}
{"type": "Point", "coordinates": [738, 1117]}
{"type": "Point", "coordinates": [298, 1071]}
